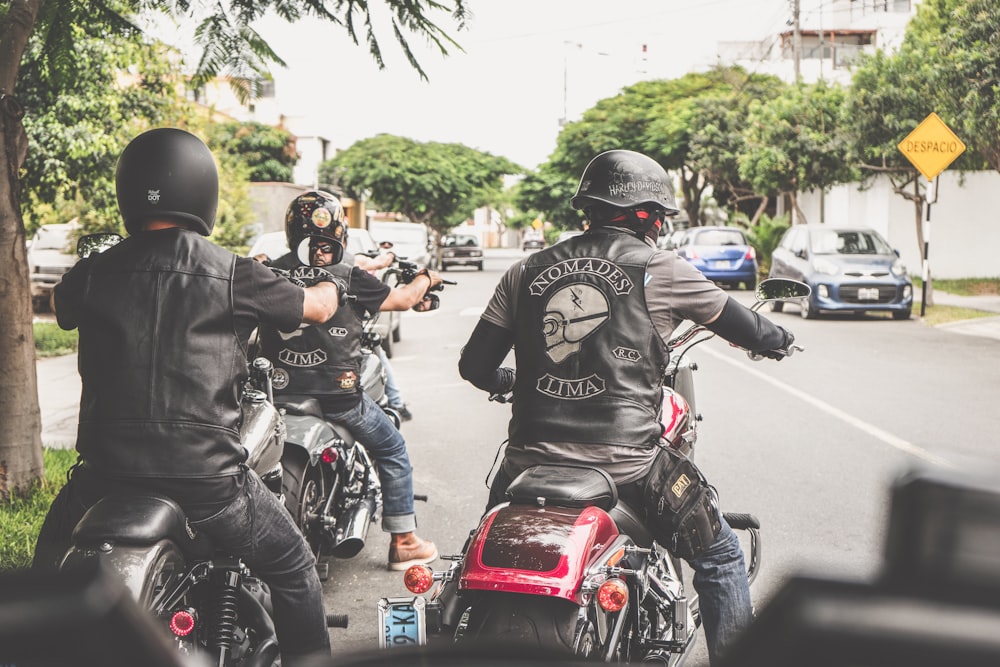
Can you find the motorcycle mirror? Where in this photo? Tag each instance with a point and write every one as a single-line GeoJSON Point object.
{"type": "Point", "coordinates": [776, 289]}
{"type": "Point", "coordinates": [429, 302]}
{"type": "Point", "coordinates": [95, 244]}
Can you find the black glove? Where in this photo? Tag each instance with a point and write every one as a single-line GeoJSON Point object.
{"type": "Point", "coordinates": [503, 385]}
{"type": "Point", "coordinates": [779, 353]}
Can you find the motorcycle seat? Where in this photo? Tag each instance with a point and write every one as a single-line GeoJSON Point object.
{"type": "Point", "coordinates": [630, 523]}
{"type": "Point", "coordinates": [564, 486]}
{"type": "Point", "coordinates": [139, 520]}
{"type": "Point", "coordinates": [300, 406]}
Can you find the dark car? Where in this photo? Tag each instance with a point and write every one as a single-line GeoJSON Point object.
{"type": "Point", "coordinates": [850, 269]}
{"type": "Point", "coordinates": [459, 250]}
{"type": "Point", "coordinates": [722, 254]}
{"type": "Point", "coordinates": [535, 242]}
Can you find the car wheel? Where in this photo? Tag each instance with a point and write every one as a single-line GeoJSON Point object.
{"type": "Point", "coordinates": [901, 314]}
{"type": "Point", "coordinates": [479, 267]}
{"type": "Point", "coordinates": [751, 284]}
{"type": "Point", "coordinates": [806, 310]}
{"type": "Point", "coordinates": [776, 306]}
{"type": "Point", "coordinates": [397, 329]}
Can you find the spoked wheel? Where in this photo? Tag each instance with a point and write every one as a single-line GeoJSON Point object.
{"type": "Point", "coordinates": [531, 622]}
{"type": "Point", "coordinates": [302, 486]}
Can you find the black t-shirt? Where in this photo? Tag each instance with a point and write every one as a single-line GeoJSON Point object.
{"type": "Point", "coordinates": [370, 293]}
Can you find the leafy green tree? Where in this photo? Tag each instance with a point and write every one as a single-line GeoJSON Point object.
{"type": "Point", "coordinates": [660, 118]}
{"type": "Point", "coordinates": [437, 184]}
{"type": "Point", "coordinates": [49, 34]}
{"type": "Point", "coordinates": [970, 72]}
{"type": "Point", "coordinates": [268, 151]}
{"type": "Point", "coordinates": [891, 94]}
{"type": "Point", "coordinates": [795, 142]}
{"type": "Point", "coordinates": [546, 192]}
{"type": "Point", "coordinates": [765, 237]}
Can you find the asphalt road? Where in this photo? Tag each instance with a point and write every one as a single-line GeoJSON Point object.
{"type": "Point", "coordinates": [811, 445]}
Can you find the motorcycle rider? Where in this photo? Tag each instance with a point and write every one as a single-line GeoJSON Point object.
{"type": "Point", "coordinates": [324, 362]}
{"type": "Point", "coordinates": [588, 319]}
{"type": "Point", "coordinates": [164, 320]}
{"type": "Point", "coordinates": [371, 264]}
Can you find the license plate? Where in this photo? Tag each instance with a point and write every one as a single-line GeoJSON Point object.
{"type": "Point", "coordinates": [867, 294]}
{"type": "Point", "coordinates": [402, 622]}
{"type": "Point", "coordinates": [722, 264]}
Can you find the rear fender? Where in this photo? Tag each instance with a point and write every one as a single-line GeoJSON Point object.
{"type": "Point", "coordinates": [314, 435]}
{"type": "Point", "coordinates": [145, 570]}
{"type": "Point", "coordinates": [536, 550]}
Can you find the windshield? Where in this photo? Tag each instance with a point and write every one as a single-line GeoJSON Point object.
{"type": "Point", "coordinates": [451, 241]}
{"type": "Point", "coordinates": [51, 239]}
{"type": "Point", "coordinates": [719, 237]}
{"type": "Point", "coordinates": [848, 242]}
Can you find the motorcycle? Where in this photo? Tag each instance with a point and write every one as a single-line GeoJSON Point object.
{"type": "Point", "coordinates": [330, 484]}
{"type": "Point", "coordinates": [564, 566]}
{"type": "Point", "coordinates": [211, 602]}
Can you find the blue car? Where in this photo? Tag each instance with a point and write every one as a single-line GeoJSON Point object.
{"type": "Point", "coordinates": [722, 254]}
{"type": "Point", "coordinates": [850, 270]}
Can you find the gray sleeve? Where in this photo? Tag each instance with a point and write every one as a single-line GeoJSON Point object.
{"type": "Point", "coordinates": [676, 291]}
{"type": "Point", "coordinates": [503, 306]}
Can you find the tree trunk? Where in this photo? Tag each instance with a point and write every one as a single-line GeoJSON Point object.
{"type": "Point", "coordinates": [20, 418]}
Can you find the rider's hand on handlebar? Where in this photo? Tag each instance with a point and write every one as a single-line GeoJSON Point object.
{"type": "Point", "coordinates": [784, 350]}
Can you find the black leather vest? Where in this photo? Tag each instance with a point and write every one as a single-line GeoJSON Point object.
{"type": "Point", "coordinates": [590, 361]}
{"type": "Point", "coordinates": [319, 359]}
{"type": "Point", "coordinates": [160, 359]}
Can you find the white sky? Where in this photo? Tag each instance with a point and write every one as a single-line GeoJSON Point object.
{"type": "Point", "coordinates": [526, 64]}
{"type": "Point", "coordinates": [505, 94]}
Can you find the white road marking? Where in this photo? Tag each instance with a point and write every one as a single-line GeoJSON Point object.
{"type": "Point", "coordinates": [872, 430]}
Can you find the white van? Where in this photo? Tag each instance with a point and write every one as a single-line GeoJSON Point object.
{"type": "Point", "coordinates": [51, 253]}
{"type": "Point", "coordinates": [410, 240]}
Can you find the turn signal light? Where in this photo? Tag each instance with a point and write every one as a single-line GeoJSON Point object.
{"type": "Point", "coordinates": [612, 595]}
{"type": "Point", "coordinates": [329, 455]}
{"type": "Point", "coordinates": [182, 623]}
{"type": "Point", "coordinates": [418, 579]}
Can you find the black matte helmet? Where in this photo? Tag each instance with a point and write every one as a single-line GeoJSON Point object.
{"type": "Point", "coordinates": [170, 174]}
{"type": "Point", "coordinates": [316, 214]}
{"type": "Point", "coordinates": [625, 179]}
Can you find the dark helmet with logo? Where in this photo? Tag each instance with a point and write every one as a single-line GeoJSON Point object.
{"type": "Point", "coordinates": [625, 180]}
{"type": "Point", "coordinates": [170, 174]}
{"type": "Point", "coordinates": [316, 214]}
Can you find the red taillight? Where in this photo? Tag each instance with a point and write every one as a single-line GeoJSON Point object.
{"type": "Point", "coordinates": [418, 579]}
{"type": "Point", "coordinates": [182, 623]}
{"type": "Point", "coordinates": [612, 595]}
{"type": "Point", "coordinates": [330, 455]}
{"type": "Point", "coordinates": [751, 253]}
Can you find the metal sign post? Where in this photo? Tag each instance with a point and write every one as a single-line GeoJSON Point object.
{"type": "Point", "coordinates": [930, 147]}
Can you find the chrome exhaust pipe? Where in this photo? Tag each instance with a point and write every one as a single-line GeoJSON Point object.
{"type": "Point", "coordinates": [350, 537]}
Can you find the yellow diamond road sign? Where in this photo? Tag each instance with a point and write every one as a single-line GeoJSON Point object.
{"type": "Point", "coordinates": [932, 146]}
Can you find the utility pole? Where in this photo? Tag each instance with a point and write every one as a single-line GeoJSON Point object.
{"type": "Point", "coordinates": [796, 39]}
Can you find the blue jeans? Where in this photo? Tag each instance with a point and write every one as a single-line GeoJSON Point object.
{"type": "Point", "coordinates": [258, 528]}
{"type": "Point", "coordinates": [720, 575]}
{"type": "Point", "coordinates": [372, 427]}
{"type": "Point", "coordinates": [720, 578]}
{"type": "Point", "coordinates": [392, 393]}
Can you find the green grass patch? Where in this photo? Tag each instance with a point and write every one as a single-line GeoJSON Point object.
{"type": "Point", "coordinates": [21, 519]}
{"type": "Point", "coordinates": [962, 286]}
{"type": "Point", "coordinates": [51, 341]}
{"type": "Point", "coordinates": [935, 315]}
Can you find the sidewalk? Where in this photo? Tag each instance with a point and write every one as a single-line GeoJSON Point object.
{"type": "Point", "coordinates": [987, 327]}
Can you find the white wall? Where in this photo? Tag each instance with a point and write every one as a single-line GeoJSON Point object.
{"type": "Point", "coordinates": [964, 227]}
